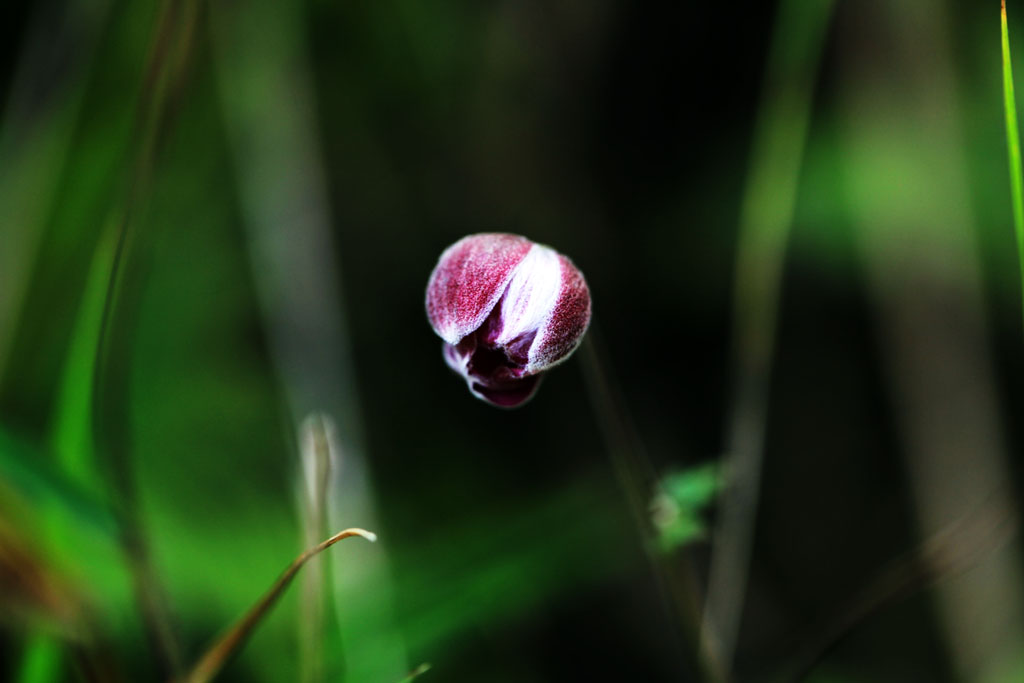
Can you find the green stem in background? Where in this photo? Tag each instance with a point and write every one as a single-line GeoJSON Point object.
{"type": "Point", "coordinates": [899, 117]}
{"type": "Point", "coordinates": [635, 474]}
{"type": "Point", "coordinates": [40, 659]}
{"type": "Point", "coordinates": [70, 436]}
{"type": "Point", "coordinates": [170, 52]}
{"type": "Point", "coordinates": [765, 222]}
{"type": "Point", "coordinates": [638, 480]}
{"type": "Point", "coordinates": [1013, 146]}
{"type": "Point", "coordinates": [36, 144]}
{"type": "Point", "coordinates": [316, 452]}
{"type": "Point", "coordinates": [229, 643]}
{"type": "Point", "coordinates": [84, 458]}
{"type": "Point", "coordinates": [267, 90]}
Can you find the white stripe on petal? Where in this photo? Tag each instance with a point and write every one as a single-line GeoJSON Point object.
{"type": "Point", "coordinates": [531, 295]}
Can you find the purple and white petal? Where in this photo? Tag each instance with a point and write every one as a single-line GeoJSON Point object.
{"type": "Point", "coordinates": [529, 300]}
{"type": "Point", "coordinates": [508, 309]}
{"type": "Point", "coordinates": [567, 323]}
{"type": "Point", "coordinates": [469, 279]}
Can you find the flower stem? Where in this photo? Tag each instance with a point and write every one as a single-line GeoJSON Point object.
{"type": "Point", "coordinates": [638, 480]}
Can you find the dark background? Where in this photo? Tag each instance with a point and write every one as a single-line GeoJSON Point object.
{"type": "Point", "coordinates": [620, 133]}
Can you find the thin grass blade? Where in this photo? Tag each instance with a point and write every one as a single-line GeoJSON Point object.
{"type": "Point", "coordinates": [317, 451]}
{"type": "Point", "coordinates": [1013, 143]}
{"type": "Point", "coordinates": [769, 203]}
{"type": "Point", "coordinates": [229, 643]}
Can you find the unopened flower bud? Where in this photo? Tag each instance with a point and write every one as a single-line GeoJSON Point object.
{"type": "Point", "coordinates": [508, 309]}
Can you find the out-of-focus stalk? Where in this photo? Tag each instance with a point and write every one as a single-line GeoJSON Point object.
{"type": "Point", "coordinates": [319, 454]}
{"type": "Point", "coordinates": [265, 86]}
{"type": "Point", "coordinates": [908, 196]}
{"type": "Point", "coordinates": [169, 51]}
{"type": "Point", "coordinates": [36, 144]}
{"type": "Point", "coordinates": [765, 222]}
{"type": "Point", "coordinates": [638, 480]}
{"type": "Point", "coordinates": [40, 660]}
{"type": "Point", "coordinates": [72, 435]}
{"type": "Point", "coordinates": [35, 139]}
{"type": "Point", "coordinates": [88, 427]}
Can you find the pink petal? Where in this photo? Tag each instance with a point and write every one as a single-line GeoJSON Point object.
{"type": "Point", "coordinates": [468, 281]}
{"type": "Point", "coordinates": [567, 323]}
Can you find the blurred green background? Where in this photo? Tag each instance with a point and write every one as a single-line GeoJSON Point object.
{"type": "Point", "coordinates": [217, 219]}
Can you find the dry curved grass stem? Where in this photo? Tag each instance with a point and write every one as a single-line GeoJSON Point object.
{"type": "Point", "coordinates": [231, 641]}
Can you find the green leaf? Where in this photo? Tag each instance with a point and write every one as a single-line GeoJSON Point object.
{"type": "Point", "coordinates": [676, 510]}
{"type": "Point", "coordinates": [694, 488]}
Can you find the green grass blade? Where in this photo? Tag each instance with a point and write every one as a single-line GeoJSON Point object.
{"type": "Point", "coordinates": [71, 428]}
{"type": "Point", "coordinates": [260, 55]}
{"type": "Point", "coordinates": [41, 660]}
{"type": "Point", "coordinates": [74, 481]}
{"type": "Point", "coordinates": [228, 644]}
{"type": "Point", "coordinates": [766, 218]}
{"type": "Point", "coordinates": [28, 473]}
{"type": "Point", "coordinates": [1013, 144]}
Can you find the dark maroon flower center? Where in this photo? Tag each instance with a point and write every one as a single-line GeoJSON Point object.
{"type": "Point", "coordinates": [497, 372]}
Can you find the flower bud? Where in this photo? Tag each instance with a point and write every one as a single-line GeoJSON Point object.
{"type": "Point", "coordinates": [508, 309]}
